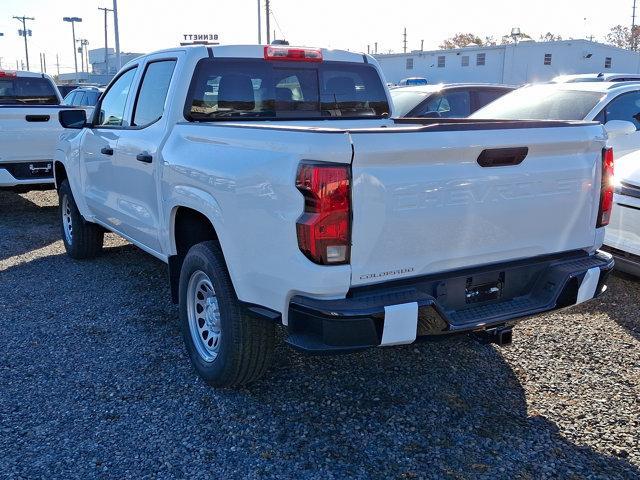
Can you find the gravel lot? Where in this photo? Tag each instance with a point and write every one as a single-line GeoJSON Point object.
{"type": "Point", "coordinates": [94, 383]}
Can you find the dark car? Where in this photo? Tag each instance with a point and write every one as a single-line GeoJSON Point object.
{"type": "Point", "coordinates": [83, 97]}
{"type": "Point", "coordinates": [445, 100]}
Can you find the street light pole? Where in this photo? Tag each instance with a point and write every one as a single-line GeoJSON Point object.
{"type": "Point", "coordinates": [106, 48]}
{"type": "Point", "coordinates": [259, 24]}
{"type": "Point", "coordinates": [73, 21]}
{"type": "Point", "coordinates": [24, 33]}
{"type": "Point", "coordinates": [117, 35]}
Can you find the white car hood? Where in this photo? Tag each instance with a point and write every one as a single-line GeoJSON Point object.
{"type": "Point", "coordinates": [627, 169]}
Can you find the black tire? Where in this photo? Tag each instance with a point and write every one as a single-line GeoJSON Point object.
{"type": "Point", "coordinates": [245, 344]}
{"type": "Point", "coordinates": [86, 238]}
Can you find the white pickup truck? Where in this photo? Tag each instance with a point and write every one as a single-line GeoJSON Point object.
{"type": "Point", "coordinates": [278, 188]}
{"type": "Point", "coordinates": [29, 129]}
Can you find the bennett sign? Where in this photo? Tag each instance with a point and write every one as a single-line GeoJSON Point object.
{"type": "Point", "coordinates": [200, 37]}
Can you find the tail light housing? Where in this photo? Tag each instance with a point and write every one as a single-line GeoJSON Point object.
{"type": "Point", "coordinates": [324, 228]}
{"type": "Point", "coordinates": [292, 54]}
{"type": "Point", "coordinates": [606, 188]}
{"type": "Point", "coordinates": [8, 74]}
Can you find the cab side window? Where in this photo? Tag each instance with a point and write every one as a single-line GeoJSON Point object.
{"type": "Point", "coordinates": [153, 92]}
{"type": "Point", "coordinates": [115, 100]}
{"type": "Point", "coordinates": [625, 107]}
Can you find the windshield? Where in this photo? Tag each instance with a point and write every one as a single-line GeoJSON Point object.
{"type": "Point", "coordinates": [542, 102]}
{"type": "Point", "coordinates": [27, 91]}
{"type": "Point", "coordinates": [233, 88]}
{"type": "Point", "coordinates": [406, 100]}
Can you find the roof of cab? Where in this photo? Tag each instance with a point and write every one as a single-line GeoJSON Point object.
{"type": "Point", "coordinates": [23, 73]}
{"type": "Point", "coordinates": [257, 51]}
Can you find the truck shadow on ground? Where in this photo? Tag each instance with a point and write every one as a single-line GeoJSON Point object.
{"type": "Point", "coordinates": [24, 225]}
{"type": "Point", "coordinates": [622, 306]}
{"type": "Point", "coordinates": [97, 381]}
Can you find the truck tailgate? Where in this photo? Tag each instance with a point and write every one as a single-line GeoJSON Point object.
{"type": "Point", "coordinates": [423, 204]}
{"type": "Point", "coordinates": [28, 133]}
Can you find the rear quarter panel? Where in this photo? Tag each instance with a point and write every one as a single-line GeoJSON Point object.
{"type": "Point", "coordinates": [243, 180]}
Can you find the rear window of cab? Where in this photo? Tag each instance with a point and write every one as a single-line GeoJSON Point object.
{"type": "Point", "coordinates": [231, 89]}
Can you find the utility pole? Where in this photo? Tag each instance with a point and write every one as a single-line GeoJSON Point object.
{"type": "Point", "coordinates": [404, 48]}
{"type": "Point", "coordinates": [41, 66]}
{"type": "Point", "coordinates": [58, 64]}
{"type": "Point", "coordinates": [266, 9]}
{"type": "Point", "coordinates": [375, 47]}
{"type": "Point", "coordinates": [82, 50]}
{"type": "Point", "coordinates": [117, 34]}
{"type": "Point", "coordinates": [259, 24]}
{"type": "Point", "coordinates": [24, 33]}
{"type": "Point", "coordinates": [106, 48]}
{"type": "Point", "coordinates": [44, 62]}
{"type": "Point", "coordinates": [634, 37]}
{"type": "Point", "coordinates": [73, 21]}
{"type": "Point", "coordinates": [422, 45]}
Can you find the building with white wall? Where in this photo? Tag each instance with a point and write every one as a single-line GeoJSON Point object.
{"type": "Point", "coordinates": [514, 64]}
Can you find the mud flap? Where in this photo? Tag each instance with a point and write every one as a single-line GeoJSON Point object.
{"type": "Point", "coordinates": [400, 324]}
{"type": "Point", "coordinates": [589, 285]}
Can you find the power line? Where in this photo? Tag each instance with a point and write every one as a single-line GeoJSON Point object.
{"type": "Point", "coordinates": [278, 25]}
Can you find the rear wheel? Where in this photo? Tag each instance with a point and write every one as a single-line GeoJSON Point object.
{"type": "Point", "coordinates": [226, 346]}
{"type": "Point", "coordinates": [81, 239]}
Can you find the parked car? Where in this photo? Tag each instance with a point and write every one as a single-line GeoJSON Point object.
{"type": "Point", "coordinates": [66, 88]}
{"type": "Point", "coordinates": [597, 77]}
{"type": "Point", "coordinates": [445, 100]}
{"type": "Point", "coordinates": [622, 236]}
{"type": "Point", "coordinates": [278, 190]}
{"type": "Point", "coordinates": [29, 129]}
{"type": "Point", "coordinates": [616, 105]}
{"type": "Point", "coordinates": [412, 81]}
{"type": "Point", "coordinates": [84, 97]}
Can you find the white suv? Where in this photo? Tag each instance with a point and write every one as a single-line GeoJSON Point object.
{"type": "Point", "coordinates": [603, 102]}
{"type": "Point", "coordinates": [617, 105]}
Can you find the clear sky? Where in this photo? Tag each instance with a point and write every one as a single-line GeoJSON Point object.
{"type": "Point", "coordinates": [350, 24]}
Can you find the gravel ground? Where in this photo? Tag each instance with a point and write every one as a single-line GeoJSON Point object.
{"type": "Point", "coordinates": [94, 383]}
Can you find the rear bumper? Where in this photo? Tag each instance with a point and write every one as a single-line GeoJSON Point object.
{"type": "Point", "coordinates": [17, 174]}
{"type": "Point", "coordinates": [463, 301]}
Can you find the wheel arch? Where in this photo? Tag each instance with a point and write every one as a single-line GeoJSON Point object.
{"type": "Point", "coordinates": [59, 173]}
{"type": "Point", "coordinates": [188, 226]}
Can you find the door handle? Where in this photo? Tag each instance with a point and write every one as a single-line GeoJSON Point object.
{"type": "Point", "coordinates": [37, 118]}
{"type": "Point", "coordinates": [106, 151]}
{"type": "Point", "coordinates": [502, 157]}
{"type": "Point", "coordinates": [144, 158]}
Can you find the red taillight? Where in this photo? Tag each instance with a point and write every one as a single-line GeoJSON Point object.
{"type": "Point", "coordinates": [324, 229]}
{"type": "Point", "coordinates": [10, 74]}
{"type": "Point", "coordinates": [606, 188]}
{"type": "Point", "coordinates": [292, 54]}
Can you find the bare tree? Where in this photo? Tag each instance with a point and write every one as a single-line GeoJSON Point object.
{"type": "Point", "coordinates": [621, 37]}
{"type": "Point", "coordinates": [550, 37]}
{"type": "Point", "coordinates": [490, 41]}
